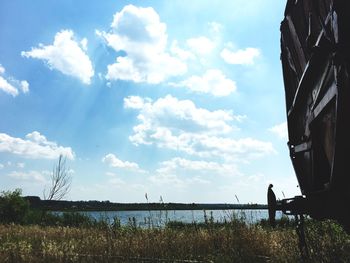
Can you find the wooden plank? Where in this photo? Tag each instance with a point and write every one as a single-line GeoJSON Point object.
{"type": "Point", "coordinates": [297, 45]}
{"type": "Point", "coordinates": [330, 94]}
{"type": "Point", "coordinates": [303, 147]}
{"type": "Point", "coordinates": [301, 84]}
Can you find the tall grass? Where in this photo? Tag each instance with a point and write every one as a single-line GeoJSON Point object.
{"type": "Point", "coordinates": [233, 241]}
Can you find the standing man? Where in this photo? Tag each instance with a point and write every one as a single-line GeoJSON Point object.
{"type": "Point", "coordinates": [271, 201]}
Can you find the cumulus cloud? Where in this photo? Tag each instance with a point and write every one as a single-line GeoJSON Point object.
{"type": "Point", "coordinates": [181, 114]}
{"type": "Point", "coordinates": [34, 146]}
{"type": "Point", "coordinates": [31, 176]}
{"type": "Point", "coordinates": [180, 125]}
{"type": "Point", "coordinates": [135, 102]}
{"type": "Point", "coordinates": [180, 52]}
{"type": "Point", "coordinates": [10, 85]}
{"type": "Point", "coordinates": [281, 130]}
{"type": "Point", "coordinates": [240, 57]}
{"type": "Point", "coordinates": [65, 55]}
{"type": "Point", "coordinates": [142, 36]}
{"type": "Point", "coordinates": [7, 87]}
{"type": "Point", "coordinates": [201, 45]}
{"type": "Point", "coordinates": [114, 162]}
{"type": "Point", "coordinates": [213, 81]}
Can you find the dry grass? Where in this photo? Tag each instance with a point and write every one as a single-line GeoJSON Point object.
{"type": "Point", "coordinates": [226, 243]}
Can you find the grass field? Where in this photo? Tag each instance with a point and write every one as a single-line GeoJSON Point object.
{"type": "Point", "coordinates": [207, 242]}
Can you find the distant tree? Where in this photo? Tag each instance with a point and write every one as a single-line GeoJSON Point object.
{"type": "Point", "coordinates": [13, 207]}
{"type": "Point", "coordinates": [60, 181]}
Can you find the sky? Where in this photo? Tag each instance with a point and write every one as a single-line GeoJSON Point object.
{"type": "Point", "coordinates": [182, 100]}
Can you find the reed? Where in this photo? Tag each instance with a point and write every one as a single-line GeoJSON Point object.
{"type": "Point", "coordinates": [233, 241]}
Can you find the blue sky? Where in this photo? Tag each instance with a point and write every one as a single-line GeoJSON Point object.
{"type": "Point", "coordinates": [179, 99]}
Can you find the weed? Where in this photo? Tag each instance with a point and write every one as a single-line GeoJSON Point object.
{"type": "Point", "coordinates": [230, 241]}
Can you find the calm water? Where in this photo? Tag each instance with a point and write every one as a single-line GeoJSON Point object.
{"type": "Point", "coordinates": [158, 218]}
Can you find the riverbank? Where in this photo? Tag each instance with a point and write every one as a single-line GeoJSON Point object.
{"type": "Point", "coordinates": [64, 205]}
{"type": "Point", "coordinates": [232, 241]}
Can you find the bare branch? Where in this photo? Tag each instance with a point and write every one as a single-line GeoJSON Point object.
{"type": "Point", "coordinates": [60, 181]}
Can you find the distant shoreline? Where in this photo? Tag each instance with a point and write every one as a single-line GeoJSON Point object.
{"type": "Point", "coordinates": [63, 205]}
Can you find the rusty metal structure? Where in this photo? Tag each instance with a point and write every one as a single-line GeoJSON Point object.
{"type": "Point", "coordinates": [315, 56]}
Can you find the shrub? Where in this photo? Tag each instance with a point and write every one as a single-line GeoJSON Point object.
{"type": "Point", "coordinates": [74, 219]}
{"type": "Point", "coordinates": [13, 207]}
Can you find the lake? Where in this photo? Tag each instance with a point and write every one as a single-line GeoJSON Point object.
{"type": "Point", "coordinates": [158, 218]}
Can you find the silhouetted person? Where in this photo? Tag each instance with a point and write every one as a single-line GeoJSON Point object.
{"type": "Point", "coordinates": [271, 201]}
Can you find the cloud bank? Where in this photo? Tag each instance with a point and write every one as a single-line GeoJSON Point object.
{"type": "Point", "coordinates": [34, 146]}
{"type": "Point", "coordinates": [181, 126]}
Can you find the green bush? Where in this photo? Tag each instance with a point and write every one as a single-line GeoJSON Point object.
{"type": "Point", "coordinates": [70, 219]}
{"type": "Point", "coordinates": [283, 222]}
{"type": "Point", "coordinates": [76, 219]}
{"type": "Point", "coordinates": [13, 207]}
{"type": "Point", "coordinates": [33, 217]}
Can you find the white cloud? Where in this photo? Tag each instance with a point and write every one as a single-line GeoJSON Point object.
{"type": "Point", "coordinates": [84, 43]}
{"type": "Point", "coordinates": [35, 146]}
{"type": "Point", "coordinates": [20, 165]}
{"type": "Point", "coordinates": [36, 137]}
{"type": "Point", "coordinates": [114, 162]}
{"type": "Point", "coordinates": [179, 52]}
{"type": "Point", "coordinates": [193, 168]}
{"type": "Point", "coordinates": [179, 125]}
{"type": "Point", "coordinates": [10, 85]}
{"type": "Point", "coordinates": [24, 86]}
{"type": "Point", "coordinates": [32, 176]}
{"type": "Point", "coordinates": [240, 57]}
{"type": "Point", "coordinates": [213, 81]}
{"type": "Point", "coordinates": [125, 69]}
{"type": "Point", "coordinates": [201, 45]}
{"type": "Point", "coordinates": [180, 114]}
{"type": "Point", "coordinates": [281, 130]}
{"type": "Point", "coordinates": [248, 147]}
{"type": "Point", "coordinates": [135, 102]}
{"type": "Point", "coordinates": [142, 36]}
{"type": "Point", "coordinates": [2, 166]}
{"type": "Point", "coordinates": [65, 55]}
{"type": "Point", "coordinates": [173, 180]}
{"type": "Point", "coordinates": [7, 87]}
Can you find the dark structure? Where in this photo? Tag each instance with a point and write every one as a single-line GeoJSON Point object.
{"type": "Point", "coordinates": [271, 199]}
{"type": "Point", "coordinates": [315, 55]}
